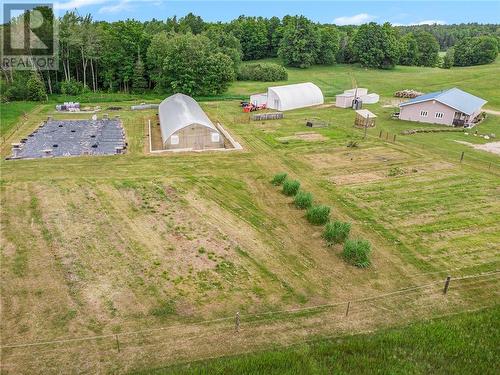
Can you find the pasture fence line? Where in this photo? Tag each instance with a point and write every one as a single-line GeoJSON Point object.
{"type": "Point", "coordinates": [462, 157]}
{"type": "Point", "coordinates": [254, 316]}
{"type": "Point", "coordinates": [240, 333]}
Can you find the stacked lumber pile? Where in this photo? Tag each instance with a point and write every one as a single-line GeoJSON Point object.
{"type": "Point", "coordinates": [409, 94]}
{"type": "Point", "coordinates": [267, 116]}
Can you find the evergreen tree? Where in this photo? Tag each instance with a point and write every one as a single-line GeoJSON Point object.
{"type": "Point", "coordinates": [36, 87]}
{"type": "Point", "coordinates": [139, 83]}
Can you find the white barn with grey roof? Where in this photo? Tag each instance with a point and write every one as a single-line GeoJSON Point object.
{"type": "Point", "coordinates": [184, 125]}
{"type": "Point", "coordinates": [452, 107]}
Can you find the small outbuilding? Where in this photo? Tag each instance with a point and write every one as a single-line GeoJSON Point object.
{"type": "Point", "coordinates": [360, 94]}
{"type": "Point", "coordinates": [364, 119]}
{"type": "Point", "coordinates": [288, 97]}
{"type": "Point", "coordinates": [452, 107]}
{"type": "Point", "coordinates": [184, 125]}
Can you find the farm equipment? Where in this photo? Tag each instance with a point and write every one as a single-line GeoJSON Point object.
{"type": "Point", "coordinates": [252, 108]}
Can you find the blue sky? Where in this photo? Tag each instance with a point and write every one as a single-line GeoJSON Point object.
{"type": "Point", "coordinates": [339, 12]}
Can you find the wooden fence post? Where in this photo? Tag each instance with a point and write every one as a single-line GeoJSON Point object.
{"type": "Point", "coordinates": [117, 343]}
{"type": "Point", "coordinates": [394, 139]}
{"type": "Point", "coordinates": [380, 134]}
{"type": "Point", "coordinates": [387, 136]}
{"type": "Point", "coordinates": [237, 322]}
{"type": "Point", "coordinates": [348, 306]}
{"type": "Point", "coordinates": [462, 156]}
{"type": "Point", "coordinates": [446, 284]}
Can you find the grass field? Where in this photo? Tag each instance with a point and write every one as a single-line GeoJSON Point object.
{"type": "Point", "coordinates": [99, 246]}
{"type": "Point", "coordinates": [461, 344]}
{"type": "Point", "coordinates": [10, 114]}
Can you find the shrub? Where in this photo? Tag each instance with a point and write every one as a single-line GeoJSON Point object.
{"type": "Point", "coordinates": [303, 200]}
{"type": "Point", "coordinates": [357, 252]}
{"type": "Point", "coordinates": [336, 232]}
{"type": "Point", "coordinates": [291, 187]}
{"type": "Point", "coordinates": [318, 215]}
{"type": "Point", "coordinates": [262, 72]}
{"type": "Point", "coordinates": [396, 171]}
{"type": "Point", "coordinates": [71, 88]}
{"type": "Point", "coordinates": [279, 178]}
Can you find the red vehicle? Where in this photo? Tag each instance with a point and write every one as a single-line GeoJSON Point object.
{"type": "Point", "coordinates": [252, 108]}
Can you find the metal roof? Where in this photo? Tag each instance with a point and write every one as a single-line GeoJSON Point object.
{"type": "Point", "coordinates": [294, 96]}
{"type": "Point", "coordinates": [454, 98]}
{"type": "Point", "coordinates": [179, 111]}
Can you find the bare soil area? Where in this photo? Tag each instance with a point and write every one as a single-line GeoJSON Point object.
{"type": "Point", "coordinates": [493, 147]}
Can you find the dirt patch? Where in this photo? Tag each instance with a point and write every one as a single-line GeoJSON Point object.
{"type": "Point", "coordinates": [493, 147]}
{"type": "Point", "coordinates": [372, 176]}
{"type": "Point", "coordinates": [304, 136]}
{"type": "Point", "coordinates": [326, 105]}
{"type": "Point", "coordinates": [492, 112]}
{"type": "Point", "coordinates": [356, 158]}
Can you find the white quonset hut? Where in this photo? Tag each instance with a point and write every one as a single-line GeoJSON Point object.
{"type": "Point", "coordinates": [184, 125]}
{"type": "Point", "coordinates": [285, 98]}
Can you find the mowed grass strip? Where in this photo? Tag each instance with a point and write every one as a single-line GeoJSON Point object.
{"type": "Point", "coordinates": [466, 343]}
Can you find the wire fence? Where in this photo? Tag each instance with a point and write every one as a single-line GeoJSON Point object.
{"type": "Point", "coordinates": [185, 341]}
{"type": "Point", "coordinates": [465, 157]}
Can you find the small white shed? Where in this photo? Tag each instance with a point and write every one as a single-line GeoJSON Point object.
{"type": "Point", "coordinates": [258, 99]}
{"type": "Point", "coordinates": [344, 100]}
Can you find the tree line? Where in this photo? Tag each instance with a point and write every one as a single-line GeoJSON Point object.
{"type": "Point", "coordinates": [196, 57]}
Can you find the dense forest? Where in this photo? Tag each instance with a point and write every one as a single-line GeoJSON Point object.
{"type": "Point", "coordinates": [200, 58]}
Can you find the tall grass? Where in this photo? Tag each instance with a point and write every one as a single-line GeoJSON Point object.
{"type": "Point", "coordinates": [474, 335]}
{"type": "Point", "coordinates": [279, 178]}
{"type": "Point", "coordinates": [291, 187]}
{"type": "Point", "coordinates": [336, 232]}
{"type": "Point", "coordinates": [318, 215]}
{"type": "Point", "coordinates": [303, 200]}
{"type": "Point", "coordinates": [357, 252]}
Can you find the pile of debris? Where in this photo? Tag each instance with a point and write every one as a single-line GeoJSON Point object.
{"type": "Point", "coordinates": [409, 94]}
{"type": "Point", "coordinates": [431, 130]}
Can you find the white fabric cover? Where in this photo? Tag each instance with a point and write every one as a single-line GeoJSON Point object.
{"type": "Point", "coordinates": [360, 91]}
{"type": "Point", "coordinates": [179, 111]}
{"type": "Point", "coordinates": [370, 98]}
{"type": "Point", "coordinates": [284, 98]}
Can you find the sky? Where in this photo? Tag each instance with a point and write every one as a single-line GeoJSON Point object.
{"type": "Point", "coordinates": [353, 12]}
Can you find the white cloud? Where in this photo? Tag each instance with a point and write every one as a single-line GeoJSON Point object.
{"type": "Point", "coordinates": [431, 22]}
{"type": "Point", "coordinates": [121, 6]}
{"type": "Point", "coordinates": [426, 22]}
{"type": "Point", "coordinates": [357, 19]}
{"type": "Point", "coordinates": [72, 4]}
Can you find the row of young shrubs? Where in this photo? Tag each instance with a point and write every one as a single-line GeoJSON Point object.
{"type": "Point", "coordinates": [355, 251]}
{"type": "Point", "coordinates": [267, 72]}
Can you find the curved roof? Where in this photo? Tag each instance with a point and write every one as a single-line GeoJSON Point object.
{"type": "Point", "coordinates": [178, 111]}
{"type": "Point", "coordinates": [455, 98]}
{"type": "Point", "coordinates": [298, 95]}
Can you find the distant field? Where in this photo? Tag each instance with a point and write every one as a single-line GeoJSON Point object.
{"type": "Point", "coordinates": [462, 344]}
{"type": "Point", "coordinates": [103, 246]}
